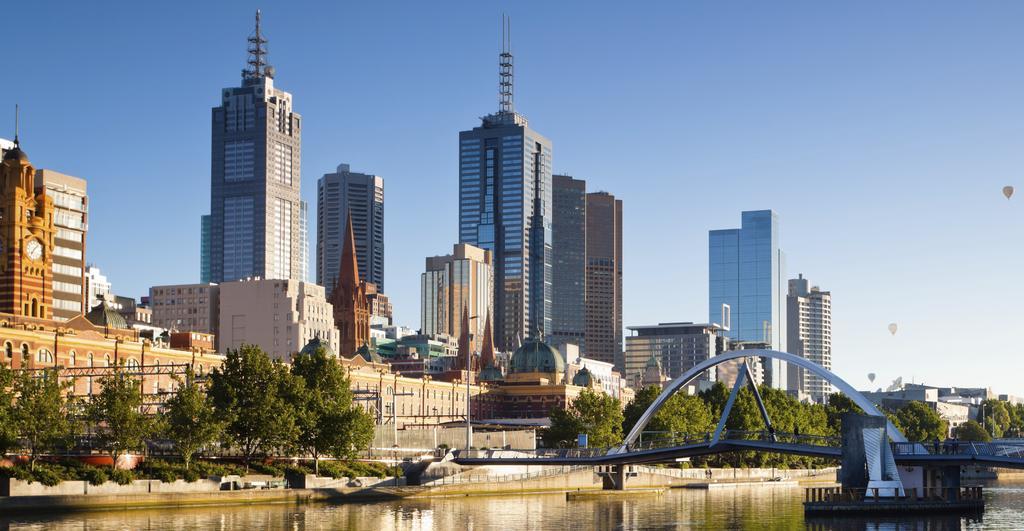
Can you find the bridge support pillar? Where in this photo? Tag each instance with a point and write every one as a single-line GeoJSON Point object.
{"type": "Point", "coordinates": [614, 477]}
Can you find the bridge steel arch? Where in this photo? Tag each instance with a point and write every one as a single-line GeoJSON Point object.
{"type": "Point", "coordinates": [714, 361]}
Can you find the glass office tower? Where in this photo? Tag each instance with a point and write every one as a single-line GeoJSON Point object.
{"type": "Point", "coordinates": [746, 273]}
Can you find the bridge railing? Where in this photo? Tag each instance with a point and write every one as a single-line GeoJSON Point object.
{"type": "Point", "coordinates": [1013, 450]}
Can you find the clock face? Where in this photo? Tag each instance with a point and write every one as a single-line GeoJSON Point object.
{"type": "Point", "coordinates": [34, 249]}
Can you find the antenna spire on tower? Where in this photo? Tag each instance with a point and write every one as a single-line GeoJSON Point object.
{"type": "Point", "coordinates": [16, 111]}
{"type": "Point", "coordinates": [257, 63]}
{"type": "Point", "coordinates": [505, 104]}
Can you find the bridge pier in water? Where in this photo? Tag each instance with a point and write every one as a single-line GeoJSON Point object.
{"type": "Point", "coordinates": [614, 477]}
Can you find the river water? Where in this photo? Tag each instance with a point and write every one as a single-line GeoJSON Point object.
{"type": "Point", "coordinates": [775, 507]}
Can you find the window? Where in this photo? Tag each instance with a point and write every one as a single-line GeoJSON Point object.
{"type": "Point", "coordinates": [24, 353]}
{"type": "Point", "coordinates": [132, 363]}
{"type": "Point", "coordinates": [44, 356]}
{"type": "Point", "coordinates": [239, 160]}
{"type": "Point", "coordinates": [9, 350]}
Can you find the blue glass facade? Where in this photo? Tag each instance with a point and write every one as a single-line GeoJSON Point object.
{"type": "Point", "coordinates": [505, 207]}
{"type": "Point", "coordinates": [746, 271]}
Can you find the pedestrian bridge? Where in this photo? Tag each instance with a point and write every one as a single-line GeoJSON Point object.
{"type": "Point", "coordinates": [669, 449]}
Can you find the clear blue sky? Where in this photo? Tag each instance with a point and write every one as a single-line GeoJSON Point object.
{"type": "Point", "coordinates": [881, 133]}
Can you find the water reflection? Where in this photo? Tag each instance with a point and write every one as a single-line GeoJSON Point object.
{"type": "Point", "coordinates": [741, 508]}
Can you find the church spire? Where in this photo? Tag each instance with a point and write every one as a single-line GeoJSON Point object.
{"type": "Point", "coordinates": [465, 349]}
{"type": "Point", "coordinates": [348, 275]}
{"type": "Point", "coordinates": [487, 358]}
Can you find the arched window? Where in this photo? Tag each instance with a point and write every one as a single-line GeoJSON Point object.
{"type": "Point", "coordinates": [44, 356]}
{"type": "Point", "coordinates": [9, 350]}
{"type": "Point", "coordinates": [91, 360]}
{"type": "Point", "coordinates": [71, 359]}
{"type": "Point", "coordinates": [24, 352]}
{"type": "Point", "coordinates": [132, 363]}
{"type": "Point", "coordinates": [200, 371]}
{"type": "Point", "coordinates": [106, 360]}
{"type": "Point", "coordinates": [35, 308]}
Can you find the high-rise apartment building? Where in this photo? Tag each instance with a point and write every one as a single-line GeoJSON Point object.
{"type": "Point", "coordinates": [569, 260]}
{"type": "Point", "coordinates": [71, 219]}
{"type": "Point", "coordinates": [746, 273]}
{"type": "Point", "coordinates": [604, 278]}
{"type": "Point", "coordinates": [360, 195]}
{"type": "Point", "coordinates": [204, 249]}
{"type": "Point", "coordinates": [97, 286]}
{"type": "Point", "coordinates": [186, 307]}
{"type": "Point", "coordinates": [278, 315]}
{"type": "Point", "coordinates": [454, 283]}
{"type": "Point", "coordinates": [505, 208]}
{"type": "Point", "coordinates": [677, 347]}
{"type": "Point", "coordinates": [257, 219]}
{"type": "Point", "coordinates": [810, 335]}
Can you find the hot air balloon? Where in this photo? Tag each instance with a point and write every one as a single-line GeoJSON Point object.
{"type": "Point", "coordinates": [892, 328]}
{"type": "Point", "coordinates": [1008, 191]}
{"type": "Point", "coordinates": [871, 377]}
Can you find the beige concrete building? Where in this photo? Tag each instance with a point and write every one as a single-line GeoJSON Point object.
{"type": "Point", "coordinates": [186, 307]}
{"type": "Point", "coordinates": [278, 315]}
{"type": "Point", "coordinates": [451, 283]}
{"type": "Point", "coordinates": [71, 217]}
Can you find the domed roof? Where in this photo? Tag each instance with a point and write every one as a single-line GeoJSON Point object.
{"type": "Point", "coordinates": [15, 154]}
{"type": "Point", "coordinates": [491, 374]}
{"type": "Point", "coordinates": [584, 378]}
{"type": "Point", "coordinates": [315, 344]}
{"type": "Point", "coordinates": [537, 356]}
{"type": "Point", "coordinates": [368, 354]}
{"type": "Point", "coordinates": [103, 315]}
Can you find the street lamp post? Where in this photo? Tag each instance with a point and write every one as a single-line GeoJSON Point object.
{"type": "Point", "coordinates": [469, 370]}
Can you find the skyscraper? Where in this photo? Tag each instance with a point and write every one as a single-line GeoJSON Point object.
{"type": "Point", "coordinates": [746, 273]}
{"type": "Point", "coordinates": [604, 278]}
{"type": "Point", "coordinates": [338, 195]}
{"type": "Point", "coordinates": [810, 335]}
{"type": "Point", "coordinates": [569, 260]}
{"type": "Point", "coordinates": [257, 219]}
{"type": "Point", "coordinates": [71, 218]}
{"type": "Point", "coordinates": [454, 283]}
{"type": "Point", "coordinates": [204, 250]}
{"type": "Point", "coordinates": [505, 207]}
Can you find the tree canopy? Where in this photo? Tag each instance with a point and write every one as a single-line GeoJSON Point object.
{"type": "Point", "coordinates": [41, 411]}
{"type": "Point", "coordinates": [116, 413]}
{"type": "Point", "coordinates": [190, 420]}
{"type": "Point", "coordinates": [594, 413]}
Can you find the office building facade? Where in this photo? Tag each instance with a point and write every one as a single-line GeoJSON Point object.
{"type": "Point", "coordinates": [505, 208]}
{"type": "Point", "coordinates": [677, 347]}
{"type": "Point", "coordinates": [569, 260]}
{"type": "Point", "coordinates": [452, 284]}
{"type": "Point", "coordinates": [186, 307]}
{"type": "Point", "coordinates": [603, 306]}
{"type": "Point", "coordinates": [360, 195]}
{"type": "Point", "coordinates": [257, 219]}
{"type": "Point", "coordinates": [71, 219]}
{"type": "Point", "coordinates": [746, 273]}
{"type": "Point", "coordinates": [278, 315]}
{"type": "Point", "coordinates": [809, 319]}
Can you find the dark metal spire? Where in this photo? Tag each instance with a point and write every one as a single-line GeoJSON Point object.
{"type": "Point", "coordinates": [257, 63]}
{"type": "Point", "coordinates": [505, 105]}
{"type": "Point", "coordinates": [16, 112]}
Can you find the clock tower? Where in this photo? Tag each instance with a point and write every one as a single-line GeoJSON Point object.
{"type": "Point", "coordinates": [26, 239]}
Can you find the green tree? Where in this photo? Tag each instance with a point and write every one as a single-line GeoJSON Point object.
{"type": "Point", "coordinates": [253, 396]}
{"type": "Point", "coordinates": [918, 422]}
{"type": "Point", "coordinates": [838, 405]}
{"type": "Point", "coordinates": [995, 417]}
{"type": "Point", "coordinates": [190, 420]}
{"type": "Point", "coordinates": [8, 425]}
{"type": "Point", "coordinates": [594, 413]}
{"type": "Point", "coordinates": [636, 408]}
{"type": "Point", "coordinates": [972, 431]}
{"type": "Point", "coordinates": [328, 421]}
{"type": "Point", "coordinates": [117, 416]}
{"type": "Point", "coordinates": [42, 412]}
{"type": "Point", "coordinates": [684, 415]}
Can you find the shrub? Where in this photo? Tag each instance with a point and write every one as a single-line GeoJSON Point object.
{"type": "Point", "coordinates": [166, 475]}
{"type": "Point", "coordinates": [95, 476]}
{"type": "Point", "coordinates": [46, 476]}
{"type": "Point", "coordinates": [191, 475]}
{"type": "Point", "coordinates": [121, 477]}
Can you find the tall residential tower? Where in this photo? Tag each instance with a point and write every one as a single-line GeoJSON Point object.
{"type": "Point", "coordinates": [810, 335]}
{"type": "Point", "coordinates": [604, 279]}
{"type": "Point", "coordinates": [569, 260]}
{"type": "Point", "coordinates": [257, 219]}
{"type": "Point", "coordinates": [361, 195]}
{"type": "Point", "coordinates": [505, 208]}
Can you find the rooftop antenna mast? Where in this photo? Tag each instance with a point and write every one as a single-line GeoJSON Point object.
{"type": "Point", "coordinates": [257, 54]}
{"type": "Point", "coordinates": [16, 111]}
{"type": "Point", "coordinates": [505, 105]}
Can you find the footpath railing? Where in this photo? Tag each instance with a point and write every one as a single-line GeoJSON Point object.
{"type": "Point", "coordinates": [937, 494]}
{"type": "Point", "coordinates": [1012, 450]}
